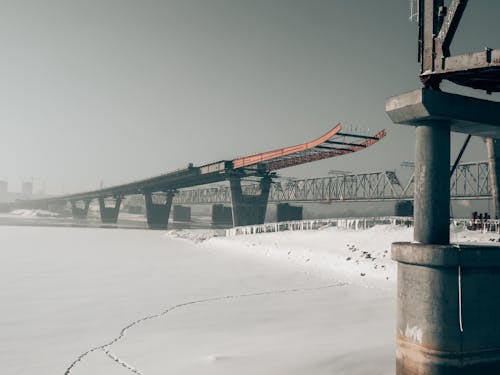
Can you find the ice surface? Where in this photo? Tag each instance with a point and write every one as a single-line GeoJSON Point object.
{"type": "Point", "coordinates": [281, 303]}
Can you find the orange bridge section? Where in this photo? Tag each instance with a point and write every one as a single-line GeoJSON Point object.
{"type": "Point", "coordinates": [334, 143]}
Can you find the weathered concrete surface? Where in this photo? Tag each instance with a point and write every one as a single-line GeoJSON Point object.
{"type": "Point", "coordinates": [463, 114]}
{"type": "Point", "coordinates": [432, 184]}
{"type": "Point", "coordinates": [447, 324]}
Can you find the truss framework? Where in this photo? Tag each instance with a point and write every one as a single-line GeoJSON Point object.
{"type": "Point", "coordinates": [469, 181]}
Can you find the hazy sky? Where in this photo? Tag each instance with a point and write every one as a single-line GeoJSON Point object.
{"type": "Point", "coordinates": [116, 90]}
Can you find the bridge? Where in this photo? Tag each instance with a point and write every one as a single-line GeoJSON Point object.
{"type": "Point", "coordinates": [469, 181]}
{"type": "Point", "coordinates": [247, 208]}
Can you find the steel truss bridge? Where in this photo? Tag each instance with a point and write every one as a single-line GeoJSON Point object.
{"type": "Point", "coordinates": [469, 181]}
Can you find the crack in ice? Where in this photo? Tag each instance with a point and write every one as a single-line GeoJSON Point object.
{"type": "Point", "coordinates": [123, 331]}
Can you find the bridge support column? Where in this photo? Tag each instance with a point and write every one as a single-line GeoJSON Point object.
{"type": "Point", "coordinates": [493, 146]}
{"type": "Point", "coordinates": [182, 213]}
{"type": "Point", "coordinates": [80, 212]}
{"type": "Point", "coordinates": [447, 299]}
{"type": "Point", "coordinates": [158, 213]}
{"type": "Point", "coordinates": [287, 212]}
{"type": "Point", "coordinates": [222, 214]}
{"type": "Point", "coordinates": [109, 214]}
{"type": "Point", "coordinates": [432, 184]}
{"type": "Point", "coordinates": [249, 209]}
{"type": "Point", "coordinates": [57, 207]}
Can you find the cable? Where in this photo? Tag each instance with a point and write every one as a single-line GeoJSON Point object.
{"type": "Point", "coordinates": [459, 280]}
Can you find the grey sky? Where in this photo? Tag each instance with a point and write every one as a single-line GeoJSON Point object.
{"type": "Point", "coordinates": [120, 89]}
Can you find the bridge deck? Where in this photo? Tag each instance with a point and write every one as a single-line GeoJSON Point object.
{"type": "Point", "coordinates": [333, 143]}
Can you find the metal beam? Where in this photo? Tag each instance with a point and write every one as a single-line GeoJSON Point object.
{"type": "Point", "coordinates": [449, 26]}
{"type": "Point", "coordinates": [437, 27]}
{"type": "Point", "coordinates": [345, 143]}
{"type": "Point", "coordinates": [335, 148]}
{"type": "Point", "coordinates": [358, 136]}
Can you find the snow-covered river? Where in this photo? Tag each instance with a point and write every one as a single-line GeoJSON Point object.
{"type": "Point", "coordinates": [218, 306]}
{"type": "Point", "coordinates": [99, 301]}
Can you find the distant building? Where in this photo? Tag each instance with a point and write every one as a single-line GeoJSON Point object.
{"type": "Point", "coordinates": [27, 189]}
{"type": "Point", "coordinates": [3, 187]}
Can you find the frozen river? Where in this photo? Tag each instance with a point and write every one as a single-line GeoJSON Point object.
{"type": "Point", "coordinates": [219, 306]}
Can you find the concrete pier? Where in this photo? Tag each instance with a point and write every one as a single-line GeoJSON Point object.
{"type": "Point", "coordinates": [448, 295]}
{"type": "Point", "coordinates": [448, 308]}
{"type": "Point", "coordinates": [249, 209]}
{"type": "Point", "coordinates": [57, 207]}
{"type": "Point", "coordinates": [222, 214]}
{"type": "Point", "coordinates": [109, 214]}
{"type": "Point", "coordinates": [403, 208]}
{"type": "Point", "coordinates": [158, 213]}
{"type": "Point", "coordinates": [80, 212]}
{"type": "Point", "coordinates": [287, 212]}
{"type": "Point", "coordinates": [182, 213]}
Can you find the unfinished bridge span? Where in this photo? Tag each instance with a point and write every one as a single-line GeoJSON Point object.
{"type": "Point", "coordinates": [247, 207]}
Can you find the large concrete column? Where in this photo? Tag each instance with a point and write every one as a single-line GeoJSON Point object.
{"type": "Point", "coordinates": [432, 184]}
{"type": "Point", "coordinates": [249, 209]}
{"type": "Point", "coordinates": [109, 214]}
{"type": "Point", "coordinates": [448, 300]}
{"type": "Point", "coordinates": [158, 213]}
{"type": "Point", "coordinates": [493, 147]}
{"type": "Point", "coordinates": [80, 212]}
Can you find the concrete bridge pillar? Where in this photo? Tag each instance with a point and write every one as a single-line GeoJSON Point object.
{"type": "Point", "coordinates": [182, 213]}
{"type": "Point", "coordinates": [158, 213]}
{"type": "Point", "coordinates": [448, 300]}
{"type": "Point", "coordinates": [249, 209]}
{"type": "Point", "coordinates": [57, 206]}
{"type": "Point", "coordinates": [80, 212]}
{"type": "Point", "coordinates": [222, 214]}
{"type": "Point", "coordinates": [432, 184]}
{"type": "Point", "coordinates": [109, 214]}
{"type": "Point", "coordinates": [287, 212]}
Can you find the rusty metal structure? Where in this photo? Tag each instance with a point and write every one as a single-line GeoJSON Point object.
{"type": "Point", "coordinates": [469, 181]}
{"type": "Point", "coordinates": [437, 25]}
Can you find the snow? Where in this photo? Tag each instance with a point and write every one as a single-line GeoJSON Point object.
{"type": "Point", "coordinates": [33, 213]}
{"type": "Point", "coordinates": [346, 253]}
{"type": "Point", "coordinates": [100, 301]}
